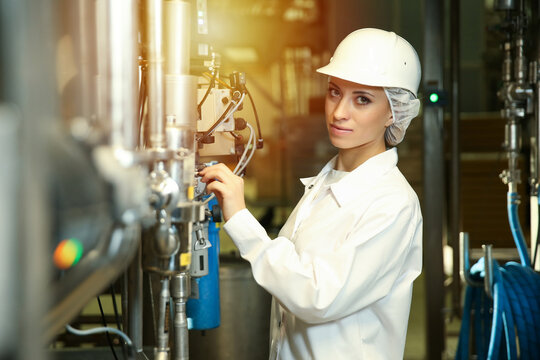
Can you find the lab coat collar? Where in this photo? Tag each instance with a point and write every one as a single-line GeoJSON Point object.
{"type": "Point", "coordinates": [360, 179]}
{"type": "Point", "coordinates": [329, 166]}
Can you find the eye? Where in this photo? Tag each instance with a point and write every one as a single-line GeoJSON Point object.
{"type": "Point", "coordinates": [362, 100]}
{"type": "Point", "coordinates": [333, 92]}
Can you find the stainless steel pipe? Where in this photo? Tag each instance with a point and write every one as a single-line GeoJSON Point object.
{"type": "Point", "coordinates": [162, 350]}
{"type": "Point", "coordinates": [180, 293]}
{"type": "Point", "coordinates": [154, 56]}
{"type": "Point", "coordinates": [177, 37]}
{"type": "Point", "coordinates": [134, 304]}
{"type": "Point", "coordinates": [123, 73]}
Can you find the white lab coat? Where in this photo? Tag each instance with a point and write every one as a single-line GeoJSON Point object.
{"type": "Point", "coordinates": [341, 272]}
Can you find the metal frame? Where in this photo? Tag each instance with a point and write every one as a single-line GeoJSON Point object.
{"type": "Point", "coordinates": [434, 200]}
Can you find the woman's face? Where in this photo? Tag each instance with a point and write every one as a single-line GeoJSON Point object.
{"type": "Point", "coordinates": [356, 115]}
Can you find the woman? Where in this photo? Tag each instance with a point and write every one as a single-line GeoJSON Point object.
{"type": "Point", "coordinates": [342, 268]}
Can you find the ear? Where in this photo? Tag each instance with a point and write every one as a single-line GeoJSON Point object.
{"type": "Point", "coordinates": [390, 121]}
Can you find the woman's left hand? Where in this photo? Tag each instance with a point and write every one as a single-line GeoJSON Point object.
{"type": "Point", "coordinates": [228, 188]}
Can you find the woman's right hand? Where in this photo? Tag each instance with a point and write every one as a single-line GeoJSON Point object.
{"type": "Point", "coordinates": [228, 188]}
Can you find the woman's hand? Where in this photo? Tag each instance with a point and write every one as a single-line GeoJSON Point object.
{"type": "Point", "coordinates": [229, 188]}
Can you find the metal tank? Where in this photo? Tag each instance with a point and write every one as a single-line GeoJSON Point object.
{"type": "Point", "coordinates": [245, 318]}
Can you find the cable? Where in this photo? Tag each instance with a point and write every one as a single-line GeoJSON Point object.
{"type": "Point", "coordinates": [239, 168]}
{"type": "Point", "coordinates": [100, 330]}
{"type": "Point", "coordinates": [252, 142]}
{"type": "Point", "coordinates": [117, 317]}
{"type": "Point", "coordinates": [115, 308]}
{"type": "Point", "coordinates": [105, 325]}
{"type": "Point", "coordinates": [210, 87]}
{"type": "Point", "coordinates": [260, 140]}
{"type": "Point", "coordinates": [246, 149]}
{"type": "Point", "coordinates": [253, 149]}
{"type": "Point", "coordinates": [233, 106]}
{"type": "Point", "coordinates": [535, 251]}
{"type": "Point", "coordinates": [142, 105]}
{"type": "Point", "coordinates": [515, 227]}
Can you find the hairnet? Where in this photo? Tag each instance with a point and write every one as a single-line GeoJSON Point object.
{"type": "Point", "coordinates": [405, 106]}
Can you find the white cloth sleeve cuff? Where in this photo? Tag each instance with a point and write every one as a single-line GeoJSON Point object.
{"type": "Point", "coordinates": [246, 232]}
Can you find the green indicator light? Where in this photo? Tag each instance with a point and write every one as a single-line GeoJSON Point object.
{"type": "Point", "coordinates": [433, 97]}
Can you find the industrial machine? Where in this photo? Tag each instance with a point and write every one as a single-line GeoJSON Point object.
{"type": "Point", "coordinates": [501, 301]}
{"type": "Point", "coordinates": [149, 107]}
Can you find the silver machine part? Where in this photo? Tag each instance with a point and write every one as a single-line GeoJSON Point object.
{"type": "Point", "coordinates": [172, 110]}
{"type": "Point", "coordinates": [154, 58]}
{"type": "Point", "coordinates": [134, 285]}
{"type": "Point", "coordinates": [520, 93]}
{"type": "Point", "coordinates": [117, 73]}
{"type": "Point", "coordinates": [123, 73]}
{"type": "Point", "coordinates": [514, 92]}
{"type": "Point", "coordinates": [161, 352]}
{"type": "Point", "coordinates": [180, 290]}
{"type": "Point", "coordinates": [117, 82]}
{"type": "Point", "coordinates": [199, 252]}
{"type": "Point", "coordinates": [143, 151]}
{"type": "Point", "coordinates": [180, 94]}
{"type": "Point", "coordinates": [177, 24]}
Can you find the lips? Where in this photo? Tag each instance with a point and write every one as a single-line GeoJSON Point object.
{"type": "Point", "coordinates": [339, 130]}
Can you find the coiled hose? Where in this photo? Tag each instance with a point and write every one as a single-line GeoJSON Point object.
{"type": "Point", "coordinates": [507, 326]}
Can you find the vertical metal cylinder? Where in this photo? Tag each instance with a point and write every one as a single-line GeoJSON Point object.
{"type": "Point", "coordinates": [520, 63]}
{"type": "Point", "coordinates": [513, 146]}
{"type": "Point", "coordinates": [135, 298]}
{"type": "Point", "coordinates": [123, 73]}
{"type": "Point", "coordinates": [180, 293]}
{"type": "Point", "coordinates": [177, 36]}
{"type": "Point", "coordinates": [154, 51]}
{"type": "Point", "coordinates": [102, 40]}
{"type": "Point", "coordinates": [180, 95]}
{"type": "Point", "coordinates": [507, 62]}
{"type": "Point", "coordinates": [181, 103]}
{"type": "Point", "coordinates": [85, 43]}
{"type": "Point", "coordinates": [488, 265]}
{"type": "Point", "coordinates": [513, 136]}
{"type": "Point", "coordinates": [162, 349]}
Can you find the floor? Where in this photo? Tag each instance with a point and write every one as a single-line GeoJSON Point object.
{"type": "Point", "coordinates": [415, 347]}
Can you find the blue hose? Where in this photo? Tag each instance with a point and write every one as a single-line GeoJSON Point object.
{"type": "Point", "coordinates": [515, 227]}
{"type": "Point", "coordinates": [507, 326]}
{"type": "Point", "coordinates": [515, 318]}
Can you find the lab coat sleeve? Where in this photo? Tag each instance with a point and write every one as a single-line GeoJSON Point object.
{"type": "Point", "coordinates": [323, 287]}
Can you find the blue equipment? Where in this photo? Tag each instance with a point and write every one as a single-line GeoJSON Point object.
{"type": "Point", "coordinates": [507, 315]}
{"type": "Point", "coordinates": [203, 309]}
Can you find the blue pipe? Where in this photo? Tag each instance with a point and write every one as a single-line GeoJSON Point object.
{"type": "Point", "coordinates": [516, 301]}
{"type": "Point", "coordinates": [515, 227]}
{"type": "Point", "coordinates": [204, 309]}
{"type": "Point", "coordinates": [515, 319]}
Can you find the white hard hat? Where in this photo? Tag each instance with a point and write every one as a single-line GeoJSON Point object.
{"type": "Point", "coordinates": [377, 58]}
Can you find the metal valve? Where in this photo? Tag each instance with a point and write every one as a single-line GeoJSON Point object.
{"type": "Point", "coordinates": [199, 253]}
